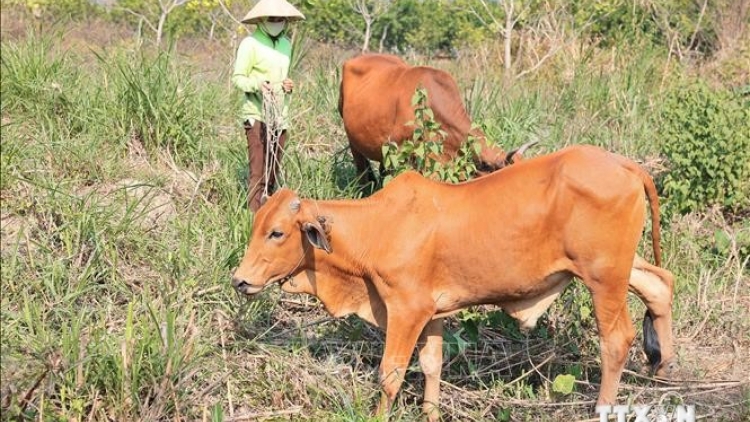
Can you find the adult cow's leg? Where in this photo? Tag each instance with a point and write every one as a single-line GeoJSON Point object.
{"type": "Point", "coordinates": [364, 170]}
{"type": "Point", "coordinates": [616, 334]}
{"type": "Point", "coordinates": [400, 339]}
{"type": "Point", "coordinates": [431, 360]}
{"type": "Point", "coordinates": [654, 286]}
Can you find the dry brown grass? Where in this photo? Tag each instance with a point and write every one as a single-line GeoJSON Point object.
{"type": "Point", "coordinates": [299, 351]}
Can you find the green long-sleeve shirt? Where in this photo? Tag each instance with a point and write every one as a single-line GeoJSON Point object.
{"type": "Point", "coordinates": [261, 59]}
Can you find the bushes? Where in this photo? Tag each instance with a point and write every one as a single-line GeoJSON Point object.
{"type": "Point", "coordinates": [706, 138]}
{"type": "Point", "coordinates": [421, 25]}
{"type": "Point", "coordinates": [424, 152]}
{"type": "Point", "coordinates": [56, 8]}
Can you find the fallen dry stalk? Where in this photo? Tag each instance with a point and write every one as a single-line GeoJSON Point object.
{"type": "Point", "coordinates": [264, 415]}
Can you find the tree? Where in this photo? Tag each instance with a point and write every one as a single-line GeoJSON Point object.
{"type": "Point", "coordinates": [370, 11]}
{"type": "Point", "coordinates": [152, 13]}
{"type": "Point", "coordinates": [331, 21]}
{"type": "Point", "coordinates": [199, 16]}
{"type": "Point", "coordinates": [504, 26]}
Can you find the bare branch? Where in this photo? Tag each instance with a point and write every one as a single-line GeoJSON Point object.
{"type": "Point", "coordinates": [489, 13]}
{"type": "Point", "coordinates": [228, 12]}
{"type": "Point", "coordinates": [552, 27]}
{"type": "Point", "coordinates": [370, 12]}
{"type": "Point", "coordinates": [140, 16]}
{"type": "Point", "coordinates": [698, 25]}
{"type": "Point", "coordinates": [382, 39]}
{"type": "Point", "coordinates": [672, 34]}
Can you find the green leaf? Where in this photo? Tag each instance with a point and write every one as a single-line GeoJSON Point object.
{"type": "Point", "coordinates": [722, 240]}
{"type": "Point", "coordinates": [563, 384]}
{"type": "Point", "coordinates": [217, 413]}
{"type": "Point", "coordinates": [503, 415]}
{"type": "Point", "coordinates": [585, 312]}
{"type": "Point", "coordinates": [472, 329]}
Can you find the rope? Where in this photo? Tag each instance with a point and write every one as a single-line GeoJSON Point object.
{"type": "Point", "coordinates": [273, 103]}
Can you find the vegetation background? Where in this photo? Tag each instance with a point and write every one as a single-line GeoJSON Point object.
{"type": "Point", "coordinates": [123, 204]}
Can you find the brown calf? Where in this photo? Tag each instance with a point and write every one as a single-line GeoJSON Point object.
{"type": "Point", "coordinates": [419, 250]}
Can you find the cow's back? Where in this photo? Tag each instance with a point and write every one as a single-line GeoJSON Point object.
{"type": "Point", "coordinates": [576, 179]}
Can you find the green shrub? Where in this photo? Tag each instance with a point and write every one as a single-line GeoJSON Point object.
{"type": "Point", "coordinates": [613, 21]}
{"type": "Point", "coordinates": [424, 152]}
{"type": "Point", "coordinates": [706, 138]}
{"type": "Point", "coordinates": [56, 9]}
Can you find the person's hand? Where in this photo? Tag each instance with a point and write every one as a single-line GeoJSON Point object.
{"type": "Point", "coordinates": [287, 85]}
{"type": "Point", "coordinates": [266, 87]}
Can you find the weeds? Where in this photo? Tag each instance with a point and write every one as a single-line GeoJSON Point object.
{"type": "Point", "coordinates": [155, 104]}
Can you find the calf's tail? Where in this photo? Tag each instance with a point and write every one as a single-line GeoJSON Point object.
{"type": "Point", "coordinates": [650, 339]}
{"type": "Point", "coordinates": [653, 200]}
{"type": "Point", "coordinates": [651, 345]}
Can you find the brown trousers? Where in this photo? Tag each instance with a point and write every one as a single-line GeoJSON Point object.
{"type": "Point", "coordinates": [256, 154]}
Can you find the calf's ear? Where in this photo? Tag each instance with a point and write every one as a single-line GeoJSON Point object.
{"type": "Point", "coordinates": [317, 236]}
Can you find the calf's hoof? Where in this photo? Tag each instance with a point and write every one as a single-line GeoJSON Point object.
{"type": "Point", "coordinates": [667, 369]}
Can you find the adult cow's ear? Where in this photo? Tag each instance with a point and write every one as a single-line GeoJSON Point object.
{"type": "Point", "coordinates": [317, 236]}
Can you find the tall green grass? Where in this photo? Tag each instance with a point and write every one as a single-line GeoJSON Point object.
{"type": "Point", "coordinates": [35, 81]}
{"type": "Point", "coordinates": [154, 102]}
{"type": "Point", "coordinates": [608, 103]}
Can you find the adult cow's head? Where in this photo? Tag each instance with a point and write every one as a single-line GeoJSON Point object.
{"type": "Point", "coordinates": [284, 235]}
{"type": "Point", "coordinates": [493, 158]}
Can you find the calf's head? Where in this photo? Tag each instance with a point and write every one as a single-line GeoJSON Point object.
{"type": "Point", "coordinates": [285, 233]}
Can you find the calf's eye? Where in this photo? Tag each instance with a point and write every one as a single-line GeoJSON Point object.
{"type": "Point", "coordinates": [275, 234]}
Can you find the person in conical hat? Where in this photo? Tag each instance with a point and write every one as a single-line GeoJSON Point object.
{"type": "Point", "coordinates": [261, 73]}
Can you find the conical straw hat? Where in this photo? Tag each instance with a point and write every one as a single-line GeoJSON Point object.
{"type": "Point", "coordinates": [268, 8]}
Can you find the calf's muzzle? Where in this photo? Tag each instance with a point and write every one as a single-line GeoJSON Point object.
{"type": "Point", "coordinates": [243, 286]}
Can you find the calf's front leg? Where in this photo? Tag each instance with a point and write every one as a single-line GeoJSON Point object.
{"type": "Point", "coordinates": [400, 340]}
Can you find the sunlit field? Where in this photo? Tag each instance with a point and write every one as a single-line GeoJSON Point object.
{"type": "Point", "coordinates": [123, 189]}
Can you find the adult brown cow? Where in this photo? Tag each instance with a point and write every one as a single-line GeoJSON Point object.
{"type": "Point", "coordinates": [375, 104]}
{"type": "Point", "coordinates": [419, 250]}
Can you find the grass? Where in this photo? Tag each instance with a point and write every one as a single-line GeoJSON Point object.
{"type": "Point", "coordinates": [123, 214]}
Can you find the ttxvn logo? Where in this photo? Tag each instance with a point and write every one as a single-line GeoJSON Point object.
{"type": "Point", "coordinates": [645, 413]}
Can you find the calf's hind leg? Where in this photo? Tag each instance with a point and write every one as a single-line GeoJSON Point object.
{"type": "Point", "coordinates": [616, 334]}
{"type": "Point", "coordinates": [431, 360]}
{"type": "Point", "coordinates": [654, 286]}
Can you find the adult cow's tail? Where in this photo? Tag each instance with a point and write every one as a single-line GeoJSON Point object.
{"type": "Point", "coordinates": [341, 97]}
